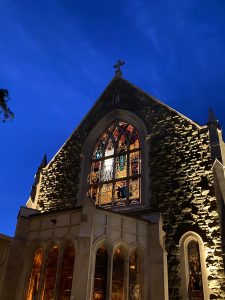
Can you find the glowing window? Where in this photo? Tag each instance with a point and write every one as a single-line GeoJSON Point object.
{"type": "Point", "coordinates": [34, 281]}
{"type": "Point", "coordinates": [67, 273]}
{"type": "Point", "coordinates": [134, 277]}
{"type": "Point", "coordinates": [115, 176]}
{"type": "Point", "coordinates": [118, 276]}
{"type": "Point", "coordinates": [195, 288]}
{"type": "Point", "coordinates": [50, 274]}
{"type": "Point", "coordinates": [100, 279]}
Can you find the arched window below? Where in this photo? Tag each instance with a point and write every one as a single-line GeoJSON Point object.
{"type": "Point", "coordinates": [194, 284]}
{"type": "Point", "coordinates": [134, 277]}
{"type": "Point", "coordinates": [50, 274]}
{"type": "Point", "coordinates": [118, 275]}
{"type": "Point", "coordinates": [115, 175]}
{"type": "Point", "coordinates": [100, 278]}
{"type": "Point", "coordinates": [34, 281]}
{"type": "Point", "coordinates": [66, 273]}
{"type": "Point", "coordinates": [195, 287]}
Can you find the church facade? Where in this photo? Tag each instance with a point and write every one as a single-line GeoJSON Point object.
{"type": "Point", "coordinates": [130, 207]}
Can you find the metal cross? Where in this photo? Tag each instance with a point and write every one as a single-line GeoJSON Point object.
{"type": "Point", "coordinates": [117, 67]}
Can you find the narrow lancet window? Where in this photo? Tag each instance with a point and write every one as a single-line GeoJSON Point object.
{"type": "Point", "coordinates": [100, 279]}
{"type": "Point", "coordinates": [67, 273]}
{"type": "Point", "coordinates": [50, 274]}
{"type": "Point", "coordinates": [134, 277]}
{"type": "Point", "coordinates": [34, 281]}
{"type": "Point", "coordinates": [118, 276]}
{"type": "Point", "coordinates": [115, 176]}
{"type": "Point", "coordinates": [195, 288]}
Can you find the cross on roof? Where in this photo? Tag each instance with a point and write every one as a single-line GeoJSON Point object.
{"type": "Point", "coordinates": [117, 67]}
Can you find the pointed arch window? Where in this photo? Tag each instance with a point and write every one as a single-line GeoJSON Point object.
{"type": "Point", "coordinates": [115, 176]}
{"type": "Point", "coordinates": [50, 274]}
{"type": "Point", "coordinates": [134, 277]}
{"type": "Point", "coordinates": [67, 273]}
{"type": "Point", "coordinates": [118, 275]}
{"type": "Point", "coordinates": [34, 281]}
{"type": "Point", "coordinates": [195, 287]}
{"type": "Point", "coordinates": [100, 279]}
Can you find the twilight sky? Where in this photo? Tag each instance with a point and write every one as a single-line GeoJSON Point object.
{"type": "Point", "coordinates": [56, 58]}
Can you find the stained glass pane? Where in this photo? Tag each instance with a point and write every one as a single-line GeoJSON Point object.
{"type": "Point", "coordinates": [50, 274]}
{"type": "Point", "coordinates": [116, 134]}
{"type": "Point", "coordinates": [122, 144]}
{"type": "Point", "coordinates": [95, 172]}
{"type": "Point", "coordinates": [195, 289]}
{"type": "Point", "coordinates": [121, 166]}
{"type": "Point", "coordinates": [134, 191]}
{"type": "Point", "coordinates": [120, 192]}
{"type": "Point", "coordinates": [67, 273]}
{"type": "Point", "coordinates": [129, 131]}
{"type": "Point", "coordinates": [98, 151]}
{"type": "Point", "coordinates": [118, 282]}
{"type": "Point", "coordinates": [105, 196]}
{"type": "Point", "coordinates": [134, 278]}
{"type": "Point", "coordinates": [107, 169]}
{"type": "Point", "coordinates": [109, 148]}
{"type": "Point", "coordinates": [134, 141]}
{"type": "Point", "coordinates": [100, 279]}
{"type": "Point", "coordinates": [32, 292]}
{"type": "Point", "coordinates": [134, 163]}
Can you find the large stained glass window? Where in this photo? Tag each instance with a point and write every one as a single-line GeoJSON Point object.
{"type": "Point", "coordinates": [100, 279]}
{"type": "Point", "coordinates": [115, 176]}
{"type": "Point", "coordinates": [32, 292]}
{"type": "Point", "coordinates": [67, 273]}
{"type": "Point", "coordinates": [195, 288]}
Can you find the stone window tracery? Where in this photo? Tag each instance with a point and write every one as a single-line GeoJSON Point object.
{"type": "Point", "coordinates": [118, 275]}
{"type": "Point", "coordinates": [115, 176]}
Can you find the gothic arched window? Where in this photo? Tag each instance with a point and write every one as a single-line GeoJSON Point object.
{"type": "Point", "coordinates": [194, 284]}
{"type": "Point", "coordinates": [66, 273]}
{"type": "Point", "coordinates": [35, 275]}
{"type": "Point", "coordinates": [195, 287]}
{"type": "Point", "coordinates": [134, 277]}
{"type": "Point", "coordinates": [115, 175]}
{"type": "Point", "coordinates": [118, 275]}
{"type": "Point", "coordinates": [50, 274]}
{"type": "Point", "coordinates": [100, 279]}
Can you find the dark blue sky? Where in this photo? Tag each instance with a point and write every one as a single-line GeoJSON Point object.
{"type": "Point", "coordinates": [56, 58]}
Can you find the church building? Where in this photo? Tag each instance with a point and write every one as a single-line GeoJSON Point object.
{"type": "Point", "coordinates": [131, 207]}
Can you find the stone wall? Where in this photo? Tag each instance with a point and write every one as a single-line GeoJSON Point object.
{"type": "Point", "coordinates": [180, 171]}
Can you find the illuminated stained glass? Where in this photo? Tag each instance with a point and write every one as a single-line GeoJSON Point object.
{"type": "Point", "coordinates": [34, 281]}
{"type": "Point", "coordinates": [134, 191]}
{"type": "Point", "coordinates": [50, 274]}
{"type": "Point", "coordinates": [135, 163]}
{"type": "Point", "coordinates": [115, 172]}
{"type": "Point", "coordinates": [121, 166]}
{"type": "Point", "coordinates": [100, 279]}
{"type": "Point", "coordinates": [118, 280]}
{"type": "Point", "coordinates": [134, 277]}
{"type": "Point", "coordinates": [105, 194]}
{"type": "Point", "coordinates": [195, 288]}
{"type": "Point", "coordinates": [66, 273]}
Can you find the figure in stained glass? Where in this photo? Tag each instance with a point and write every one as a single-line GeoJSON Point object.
{"type": "Point", "coordinates": [110, 176]}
